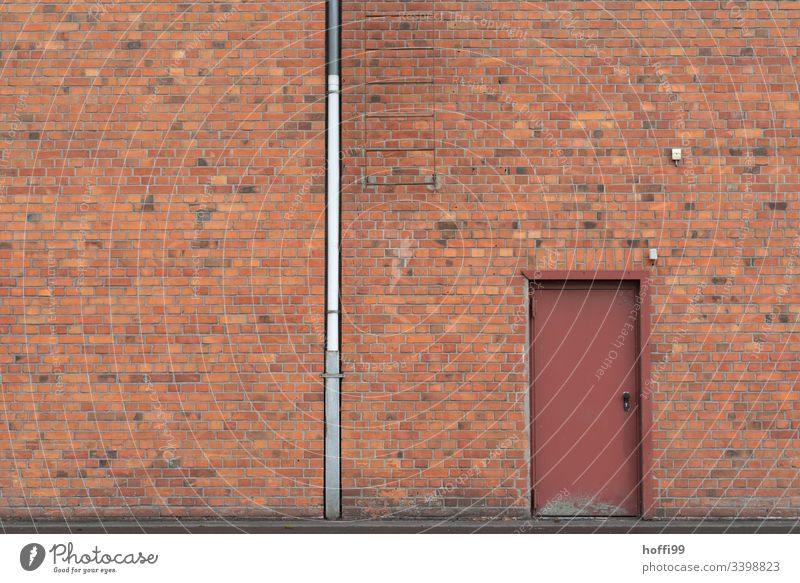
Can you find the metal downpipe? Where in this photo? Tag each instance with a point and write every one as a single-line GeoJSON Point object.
{"type": "Point", "coordinates": [333, 375]}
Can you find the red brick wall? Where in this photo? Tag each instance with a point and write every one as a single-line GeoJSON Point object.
{"type": "Point", "coordinates": [548, 128]}
{"type": "Point", "coordinates": [162, 265]}
{"type": "Point", "coordinates": [162, 261]}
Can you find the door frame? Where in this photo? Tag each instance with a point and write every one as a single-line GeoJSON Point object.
{"type": "Point", "coordinates": [549, 279]}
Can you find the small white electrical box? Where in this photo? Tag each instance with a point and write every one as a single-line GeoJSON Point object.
{"type": "Point", "coordinates": [676, 154]}
{"type": "Point", "coordinates": [653, 254]}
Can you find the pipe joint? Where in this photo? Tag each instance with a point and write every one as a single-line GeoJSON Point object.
{"type": "Point", "coordinates": [334, 84]}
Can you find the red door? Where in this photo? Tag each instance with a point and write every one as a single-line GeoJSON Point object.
{"type": "Point", "coordinates": [585, 400]}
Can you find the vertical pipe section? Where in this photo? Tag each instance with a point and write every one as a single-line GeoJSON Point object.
{"type": "Point", "coordinates": [333, 375]}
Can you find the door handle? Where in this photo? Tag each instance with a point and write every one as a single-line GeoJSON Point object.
{"type": "Point", "coordinates": [626, 401]}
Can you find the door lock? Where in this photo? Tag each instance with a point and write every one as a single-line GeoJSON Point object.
{"type": "Point", "coordinates": [626, 401]}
